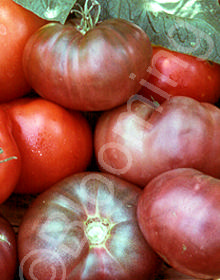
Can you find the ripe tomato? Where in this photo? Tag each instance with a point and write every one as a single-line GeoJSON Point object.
{"type": "Point", "coordinates": [16, 26]}
{"type": "Point", "coordinates": [85, 227]}
{"type": "Point", "coordinates": [10, 162]}
{"type": "Point", "coordinates": [95, 71]}
{"type": "Point", "coordinates": [8, 250]}
{"type": "Point", "coordinates": [173, 74]}
{"type": "Point", "coordinates": [179, 215]}
{"type": "Point", "coordinates": [138, 142]}
{"type": "Point", "coordinates": [53, 142]}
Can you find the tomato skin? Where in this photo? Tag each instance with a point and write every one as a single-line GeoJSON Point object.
{"type": "Point", "coordinates": [10, 169]}
{"type": "Point", "coordinates": [92, 71]}
{"type": "Point", "coordinates": [139, 142]}
{"type": "Point", "coordinates": [16, 26]}
{"type": "Point", "coordinates": [179, 215]}
{"type": "Point", "coordinates": [58, 234]}
{"type": "Point", "coordinates": [53, 142]}
{"type": "Point", "coordinates": [188, 76]}
{"type": "Point", "coordinates": [8, 250]}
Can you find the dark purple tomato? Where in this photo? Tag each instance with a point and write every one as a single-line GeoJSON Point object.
{"type": "Point", "coordinates": [179, 215]}
{"type": "Point", "coordinates": [85, 227]}
{"type": "Point", "coordinates": [94, 71]}
{"type": "Point", "coordinates": [8, 250]}
{"type": "Point", "coordinates": [138, 141]}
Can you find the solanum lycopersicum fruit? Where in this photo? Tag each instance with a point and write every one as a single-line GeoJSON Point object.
{"type": "Point", "coordinates": [53, 142]}
{"type": "Point", "coordinates": [16, 26]}
{"type": "Point", "coordinates": [10, 162]}
{"type": "Point", "coordinates": [174, 73]}
{"type": "Point", "coordinates": [138, 142]}
{"type": "Point", "coordinates": [179, 215]}
{"type": "Point", "coordinates": [8, 250]}
{"type": "Point", "coordinates": [85, 227]}
{"type": "Point", "coordinates": [92, 72]}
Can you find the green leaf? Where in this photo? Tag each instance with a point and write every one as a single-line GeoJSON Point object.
{"type": "Point", "coordinates": [52, 10]}
{"type": "Point", "coordinates": [186, 26]}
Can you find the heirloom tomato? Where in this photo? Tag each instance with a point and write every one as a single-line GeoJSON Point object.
{"type": "Point", "coordinates": [85, 227]}
{"type": "Point", "coordinates": [94, 71]}
{"type": "Point", "coordinates": [179, 215]}
{"type": "Point", "coordinates": [8, 250]}
{"type": "Point", "coordinates": [53, 142]}
{"type": "Point", "coordinates": [16, 26]}
{"type": "Point", "coordinates": [137, 141]}
{"type": "Point", "coordinates": [173, 73]}
{"type": "Point", "coordinates": [10, 161]}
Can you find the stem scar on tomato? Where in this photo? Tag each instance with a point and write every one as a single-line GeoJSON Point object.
{"type": "Point", "coordinates": [7, 159]}
{"type": "Point", "coordinates": [97, 230]}
{"type": "Point", "coordinates": [87, 21]}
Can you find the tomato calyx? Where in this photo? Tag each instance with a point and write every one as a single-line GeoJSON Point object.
{"type": "Point", "coordinates": [6, 159]}
{"type": "Point", "coordinates": [88, 21]}
{"type": "Point", "coordinates": [97, 230]}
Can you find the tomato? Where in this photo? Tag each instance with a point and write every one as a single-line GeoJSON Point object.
{"type": "Point", "coordinates": [179, 215]}
{"type": "Point", "coordinates": [94, 71]}
{"type": "Point", "coordinates": [10, 162]}
{"type": "Point", "coordinates": [53, 142]}
{"type": "Point", "coordinates": [173, 73]}
{"type": "Point", "coordinates": [85, 227]}
{"type": "Point", "coordinates": [8, 250]}
{"type": "Point", "coordinates": [16, 26]}
{"type": "Point", "coordinates": [138, 141]}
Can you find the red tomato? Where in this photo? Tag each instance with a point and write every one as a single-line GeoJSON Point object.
{"type": "Point", "coordinates": [138, 142]}
{"type": "Point", "coordinates": [16, 26]}
{"type": "Point", "coordinates": [94, 72]}
{"type": "Point", "coordinates": [53, 142]}
{"type": "Point", "coordinates": [85, 227]}
{"type": "Point", "coordinates": [173, 74]}
{"type": "Point", "coordinates": [179, 215]}
{"type": "Point", "coordinates": [10, 162]}
{"type": "Point", "coordinates": [8, 250]}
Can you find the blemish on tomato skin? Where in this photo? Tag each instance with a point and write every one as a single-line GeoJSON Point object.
{"type": "Point", "coordinates": [197, 187]}
{"type": "Point", "coordinates": [3, 29]}
{"type": "Point", "coordinates": [184, 247]}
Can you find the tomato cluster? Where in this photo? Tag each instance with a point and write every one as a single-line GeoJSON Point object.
{"type": "Point", "coordinates": [118, 140]}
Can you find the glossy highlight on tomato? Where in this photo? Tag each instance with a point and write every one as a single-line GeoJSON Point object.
{"type": "Point", "coordinates": [85, 227]}
{"type": "Point", "coordinates": [53, 142]}
{"type": "Point", "coordinates": [88, 72]}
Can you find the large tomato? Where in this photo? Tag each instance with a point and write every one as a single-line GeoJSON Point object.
{"type": "Point", "coordinates": [8, 250]}
{"type": "Point", "coordinates": [137, 141]}
{"type": "Point", "coordinates": [53, 142]}
{"type": "Point", "coordinates": [94, 71]}
{"type": "Point", "coordinates": [10, 161]}
{"type": "Point", "coordinates": [179, 215]}
{"type": "Point", "coordinates": [16, 26]}
{"type": "Point", "coordinates": [174, 73]}
{"type": "Point", "coordinates": [85, 227]}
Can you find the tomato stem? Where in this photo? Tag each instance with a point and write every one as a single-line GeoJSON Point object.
{"type": "Point", "coordinates": [7, 159]}
{"type": "Point", "coordinates": [87, 20]}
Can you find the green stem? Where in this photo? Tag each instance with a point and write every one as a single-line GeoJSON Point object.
{"type": "Point", "coordinates": [7, 159]}
{"type": "Point", "coordinates": [87, 20]}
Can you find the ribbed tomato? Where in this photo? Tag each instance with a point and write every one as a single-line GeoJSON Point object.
{"type": "Point", "coordinates": [85, 227]}
{"type": "Point", "coordinates": [94, 71]}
